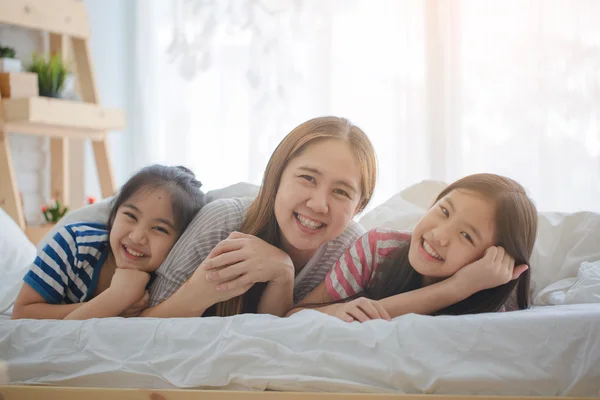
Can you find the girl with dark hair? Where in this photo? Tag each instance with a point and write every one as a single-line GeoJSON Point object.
{"type": "Point", "coordinates": [92, 270]}
{"type": "Point", "coordinates": [466, 255]}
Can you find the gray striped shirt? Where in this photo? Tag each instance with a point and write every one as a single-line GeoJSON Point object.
{"type": "Point", "coordinates": [214, 223]}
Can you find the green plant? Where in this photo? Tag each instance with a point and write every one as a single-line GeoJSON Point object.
{"type": "Point", "coordinates": [54, 211]}
{"type": "Point", "coordinates": [51, 73]}
{"type": "Point", "coordinates": [7, 52]}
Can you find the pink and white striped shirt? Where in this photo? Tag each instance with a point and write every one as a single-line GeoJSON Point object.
{"type": "Point", "coordinates": [352, 273]}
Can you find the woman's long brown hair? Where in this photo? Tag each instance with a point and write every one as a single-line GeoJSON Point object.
{"type": "Point", "coordinates": [260, 219]}
{"type": "Point", "coordinates": [516, 228]}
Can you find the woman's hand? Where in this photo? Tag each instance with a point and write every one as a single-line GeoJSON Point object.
{"type": "Point", "coordinates": [360, 309]}
{"type": "Point", "coordinates": [194, 297]}
{"type": "Point", "coordinates": [495, 268]}
{"type": "Point", "coordinates": [242, 260]}
{"type": "Point", "coordinates": [213, 291]}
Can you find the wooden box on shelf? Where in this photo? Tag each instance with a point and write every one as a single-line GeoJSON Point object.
{"type": "Point", "coordinates": [17, 85]}
{"type": "Point", "coordinates": [35, 233]}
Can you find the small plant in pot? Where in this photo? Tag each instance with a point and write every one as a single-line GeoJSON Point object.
{"type": "Point", "coordinates": [54, 211]}
{"type": "Point", "coordinates": [8, 60]}
{"type": "Point", "coordinates": [52, 73]}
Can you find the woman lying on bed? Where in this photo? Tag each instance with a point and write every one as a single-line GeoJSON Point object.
{"type": "Point", "coordinates": [466, 255]}
{"type": "Point", "coordinates": [243, 255]}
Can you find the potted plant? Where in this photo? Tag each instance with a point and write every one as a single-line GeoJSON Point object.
{"type": "Point", "coordinates": [8, 61]}
{"type": "Point", "coordinates": [54, 211]}
{"type": "Point", "coordinates": [52, 73]}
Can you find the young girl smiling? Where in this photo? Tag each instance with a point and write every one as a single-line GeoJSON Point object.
{"type": "Point", "coordinates": [91, 270]}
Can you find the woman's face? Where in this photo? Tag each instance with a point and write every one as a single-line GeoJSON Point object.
{"type": "Point", "coordinates": [319, 193]}
{"type": "Point", "coordinates": [455, 232]}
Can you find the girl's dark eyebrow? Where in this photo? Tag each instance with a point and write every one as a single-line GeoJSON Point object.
{"type": "Point", "coordinates": [161, 220]}
{"type": "Point", "coordinates": [129, 205]}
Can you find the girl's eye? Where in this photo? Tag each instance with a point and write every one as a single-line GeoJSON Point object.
{"type": "Point", "coordinates": [161, 229]}
{"type": "Point", "coordinates": [130, 215]}
{"type": "Point", "coordinates": [445, 211]}
{"type": "Point", "coordinates": [308, 178]}
{"type": "Point", "coordinates": [468, 237]}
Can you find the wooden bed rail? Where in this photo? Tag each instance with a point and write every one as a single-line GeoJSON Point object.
{"type": "Point", "coordinates": [72, 393]}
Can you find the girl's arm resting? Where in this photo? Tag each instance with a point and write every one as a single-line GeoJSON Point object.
{"type": "Point", "coordinates": [109, 303]}
{"type": "Point", "coordinates": [319, 295]}
{"type": "Point", "coordinates": [428, 299]}
{"type": "Point", "coordinates": [184, 303]}
{"type": "Point", "coordinates": [277, 298]}
{"type": "Point", "coordinates": [30, 304]}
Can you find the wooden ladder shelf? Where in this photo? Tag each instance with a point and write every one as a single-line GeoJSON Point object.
{"type": "Point", "coordinates": [61, 120]}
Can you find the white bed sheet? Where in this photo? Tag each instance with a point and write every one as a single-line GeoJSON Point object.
{"type": "Point", "coordinates": [548, 351]}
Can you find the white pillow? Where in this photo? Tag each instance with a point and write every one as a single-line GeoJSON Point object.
{"type": "Point", "coordinates": [16, 250]}
{"type": "Point", "coordinates": [583, 289]}
{"type": "Point", "coordinates": [403, 210]}
{"type": "Point", "coordinates": [16, 255]}
{"type": "Point", "coordinates": [240, 189]}
{"type": "Point", "coordinates": [564, 243]}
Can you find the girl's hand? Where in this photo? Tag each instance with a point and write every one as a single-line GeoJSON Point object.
{"type": "Point", "coordinates": [496, 268]}
{"type": "Point", "coordinates": [360, 309]}
{"type": "Point", "coordinates": [135, 309]}
{"type": "Point", "coordinates": [245, 259]}
{"type": "Point", "coordinates": [130, 283]}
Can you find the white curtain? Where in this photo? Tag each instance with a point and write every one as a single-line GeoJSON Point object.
{"type": "Point", "coordinates": [443, 88]}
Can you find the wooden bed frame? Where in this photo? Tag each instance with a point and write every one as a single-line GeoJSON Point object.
{"type": "Point", "coordinates": [70, 393]}
{"type": "Point", "coordinates": [60, 120]}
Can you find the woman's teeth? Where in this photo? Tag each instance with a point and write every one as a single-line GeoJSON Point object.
{"type": "Point", "coordinates": [309, 223]}
{"type": "Point", "coordinates": [430, 251]}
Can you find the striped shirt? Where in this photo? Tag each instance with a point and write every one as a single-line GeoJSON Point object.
{"type": "Point", "coordinates": [67, 268]}
{"type": "Point", "coordinates": [354, 270]}
{"type": "Point", "coordinates": [213, 223]}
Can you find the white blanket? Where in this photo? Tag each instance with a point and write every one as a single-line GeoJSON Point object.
{"type": "Point", "coordinates": [548, 351]}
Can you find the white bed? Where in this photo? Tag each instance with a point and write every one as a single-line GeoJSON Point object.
{"type": "Point", "coordinates": [545, 351]}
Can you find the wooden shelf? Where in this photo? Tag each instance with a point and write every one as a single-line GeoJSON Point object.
{"type": "Point", "coordinates": [62, 16]}
{"type": "Point", "coordinates": [68, 30]}
{"type": "Point", "coordinates": [59, 118]}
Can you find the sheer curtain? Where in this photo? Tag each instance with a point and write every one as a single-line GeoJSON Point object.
{"type": "Point", "coordinates": [442, 88]}
{"type": "Point", "coordinates": [528, 99]}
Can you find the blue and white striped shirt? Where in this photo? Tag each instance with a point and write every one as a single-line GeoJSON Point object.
{"type": "Point", "coordinates": [66, 270]}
